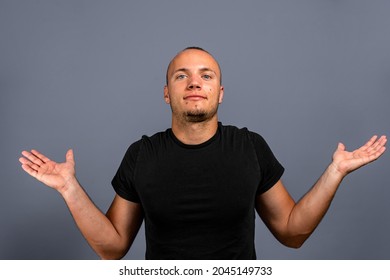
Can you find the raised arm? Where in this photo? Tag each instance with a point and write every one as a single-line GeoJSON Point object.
{"type": "Point", "coordinates": [292, 223]}
{"type": "Point", "coordinates": [109, 235]}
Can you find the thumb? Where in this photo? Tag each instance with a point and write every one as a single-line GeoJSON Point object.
{"type": "Point", "coordinates": [341, 147]}
{"type": "Point", "coordinates": [69, 156]}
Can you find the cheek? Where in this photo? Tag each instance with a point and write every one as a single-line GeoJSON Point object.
{"type": "Point", "coordinates": [212, 91]}
{"type": "Point", "coordinates": [208, 89]}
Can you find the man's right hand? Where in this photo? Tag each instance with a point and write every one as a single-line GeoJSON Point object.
{"type": "Point", "coordinates": [109, 235]}
{"type": "Point", "coordinates": [53, 174]}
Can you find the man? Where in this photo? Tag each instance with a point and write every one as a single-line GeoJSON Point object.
{"type": "Point", "coordinates": [198, 184]}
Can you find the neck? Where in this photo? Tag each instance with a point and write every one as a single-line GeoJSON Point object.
{"type": "Point", "coordinates": [194, 133]}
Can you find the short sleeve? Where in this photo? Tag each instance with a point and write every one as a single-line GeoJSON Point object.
{"type": "Point", "coordinates": [123, 181]}
{"type": "Point", "coordinates": [270, 168]}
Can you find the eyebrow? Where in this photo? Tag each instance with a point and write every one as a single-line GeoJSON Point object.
{"type": "Point", "coordinates": [204, 69]}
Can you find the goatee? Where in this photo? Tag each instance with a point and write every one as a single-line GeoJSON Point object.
{"type": "Point", "coordinates": [197, 116]}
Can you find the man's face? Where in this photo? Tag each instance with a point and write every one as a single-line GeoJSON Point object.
{"type": "Point", "coordinates": [194, 89]}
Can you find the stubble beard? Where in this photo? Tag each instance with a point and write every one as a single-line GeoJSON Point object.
{"type": "Point", "coordinates": [198, 115]}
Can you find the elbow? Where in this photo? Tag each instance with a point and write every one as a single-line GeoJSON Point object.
{"type": "Point", "coordinates": [111, 252]}
{"type": "Point", "coordinates": [111, 255]}
{"type": "Point", "coordinates": [294, 242]}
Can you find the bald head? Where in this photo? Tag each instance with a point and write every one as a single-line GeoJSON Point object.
{"type": "Point", "coordinates": [193, 50]}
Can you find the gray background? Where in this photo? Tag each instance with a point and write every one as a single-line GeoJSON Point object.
{"type": "Point", "coordinates": [89, 75]}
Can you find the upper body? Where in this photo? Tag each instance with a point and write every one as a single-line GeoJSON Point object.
{"type": "Point", "coordinates": [198, 200]}
{"type": "Point", "coordinates": [194, 92]}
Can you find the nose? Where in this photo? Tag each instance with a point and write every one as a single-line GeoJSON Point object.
{"type": "Point", "coordinates": [194, 83]}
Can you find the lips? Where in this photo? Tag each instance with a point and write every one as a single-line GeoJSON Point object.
{"type": "Point", "coordinates": [195, 97]}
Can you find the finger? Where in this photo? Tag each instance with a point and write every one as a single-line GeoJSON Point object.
{"type": "Point", "coordinates": [377, 154]}
{"type": "Point", "coordinates": [32, 158]}
{"type": "Point", "coordinates": [341, 147]}
{"type": "Point", "coordinates": [30, 170]}
{"type": "Point", "coordinates": [27, 163]}
{"type": "Point", "coordinates": [42, 157]}
{"type": "Point", "coordinates": [378, 150]}
{"type": "Point", "coordinates": [369, 143]}
{"type": "Point", "coordinates": [374, 146]}
{"type": "Point", "coordinates": [383, 140]}
{"type": "Point", "coordinates": [23, 160]}
{"type": "Point", "coordinates": [379, 143]}
{"type": "Point", "coordinates": [70, 156]}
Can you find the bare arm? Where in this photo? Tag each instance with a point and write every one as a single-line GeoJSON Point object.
{"type": "Point", "coordinates": [110, 235]}
{"type": "Point", "coordinates": [292, 223]}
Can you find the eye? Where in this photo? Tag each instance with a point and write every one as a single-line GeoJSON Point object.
{"type": "Point", "coordinates": [207, 77]}
{"type": "Point", "coordinates": [180, 77]}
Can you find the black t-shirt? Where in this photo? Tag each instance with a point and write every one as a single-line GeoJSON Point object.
{"type": "Point", "coordinates": [198, 200]}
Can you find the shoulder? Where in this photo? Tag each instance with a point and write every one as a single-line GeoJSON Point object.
{"type": "Point", "coordinates": [243, 132]}
{"type": "Point", "coordinates": [156, 140]}
{"type": "Point", "coordinates": [231, 130]}
{"type": "Point", "coordinates": [149, 145]}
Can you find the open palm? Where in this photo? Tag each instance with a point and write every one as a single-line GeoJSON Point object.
{"type": "Point", "coordinates": [51, 173]}
{"type": "Point", "coordinates": [347, 162]}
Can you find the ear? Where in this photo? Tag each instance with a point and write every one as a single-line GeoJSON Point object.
{"type": "Point", "coordinates": [221, 91]}
{"type": "Point", "coordinates": [166, 95]}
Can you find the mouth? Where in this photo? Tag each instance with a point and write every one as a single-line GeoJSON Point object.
{"type": "Point", "coordinates": [195, 97]}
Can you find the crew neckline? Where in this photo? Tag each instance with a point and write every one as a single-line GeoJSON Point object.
{"type": "Point", "coordinates": [196, 146]}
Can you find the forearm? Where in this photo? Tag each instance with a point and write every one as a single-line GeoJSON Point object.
{"type": "Point", "coordinates": [292, 223]}
{"type": "Point", "coordinates": [93, 224]}
{"type": "Point", "coordinates": [311, 208]}
{"type": "Point", "coordinates": [109, 235]}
